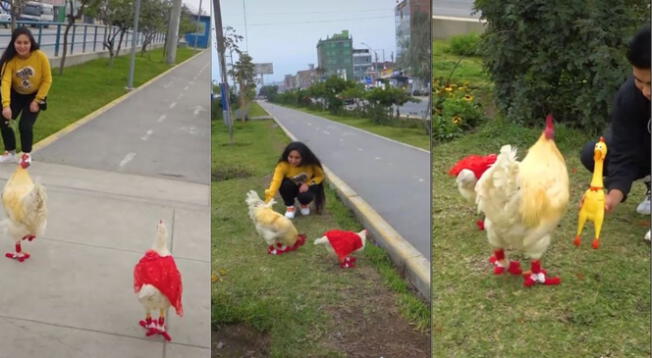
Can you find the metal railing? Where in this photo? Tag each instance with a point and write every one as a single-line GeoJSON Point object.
{"type": "Point", "coordinates": [82, 38]}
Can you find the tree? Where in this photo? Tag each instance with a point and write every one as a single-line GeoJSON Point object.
{"type": "Point", "coordinates": [565, 58]}
{"type": "Point", "coordinates": [15, 9]}
{"type": "Point", "coordinates": [153, 16]}
{"type": "Point", "coordinates": [71, 16]}
{"type": "Point", "coordinates": [383, 100]}
{"type": "Point", "coordinates": [269, 92]}
{"type": "Point", "coordinates": [243, 72]}
{"type": "Point", "coordinates": [119, 16]}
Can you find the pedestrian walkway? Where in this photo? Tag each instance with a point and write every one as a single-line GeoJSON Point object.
{"type": "Point", "coordinates": [74, 297]}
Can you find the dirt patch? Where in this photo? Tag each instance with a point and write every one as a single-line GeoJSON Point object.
{"type": "Point", "coordinates": [239, 340]}
{"type": "Point", "coordinates": [367, 323]}
{"type": "Point", "coordinates": [226, 173]}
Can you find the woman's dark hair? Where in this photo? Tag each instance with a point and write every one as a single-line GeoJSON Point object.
{"type": "Point", "coordinates": [638, 53]}
{"type": "Point", "coordinates": [10, 51]}
{"type": "Point", "coordinates": [307, 158]}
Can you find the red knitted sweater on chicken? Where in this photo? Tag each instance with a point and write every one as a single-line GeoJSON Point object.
{"type": "Point", "coordinates": [343, 242]}
{"type": "Point", "coordinates": [162, 273]}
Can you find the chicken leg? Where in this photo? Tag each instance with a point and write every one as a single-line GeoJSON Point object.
{"type": "Point", "coordinates": [18, 255]}
{"type": "Point", "coordinates": [539, 275]}
{"type": "Point", "coordinates": [155, 326]}
{"type": "Point", "coordinates": [499, 262]}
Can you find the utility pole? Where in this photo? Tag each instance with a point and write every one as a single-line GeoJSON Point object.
{"type": "Point", "coordinates": [134, 41]}
{"type": "Point", "coordinates": [220, 52]}
{"type": "Point", "coordinates": [173, 32]}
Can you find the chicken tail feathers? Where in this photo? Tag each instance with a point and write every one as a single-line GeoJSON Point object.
{"type": "Point", "coordinates": [321, 241]}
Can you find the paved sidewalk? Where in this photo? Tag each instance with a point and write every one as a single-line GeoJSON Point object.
{"type": "Point", "coordinates": [74, 297]}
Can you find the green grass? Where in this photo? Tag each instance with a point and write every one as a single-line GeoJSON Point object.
{"type": "Point", "coordinates": [286, 297]}
{"type": "Point", "coordinates": [409, 135]}
{"type": "Point", "coordinates": [601, 308]}
{"type": "Point", "coordinates": [85, 88]}
{"type": "Point", "coordinates": [445, 65]}
{"type": "Point", "coordinates": [255, 110]}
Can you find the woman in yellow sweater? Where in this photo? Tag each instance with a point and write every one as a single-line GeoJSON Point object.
{"type": "Point", "coordinates": [299, 175]}
{"type": "Point", "coordinates": [26, 80]}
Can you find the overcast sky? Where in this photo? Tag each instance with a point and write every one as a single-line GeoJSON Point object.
{"type": "Point", "coordinates": [286, 32]}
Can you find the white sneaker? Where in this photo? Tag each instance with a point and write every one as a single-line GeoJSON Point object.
{"type": "Point", "coordinates": [289, 212]}
{"type": "Point", "coordinates": [647, 236]}
{"type": "Point", "coordinates": [8, 157]}
{"type": "Point", "coordinates": [644, 207]}
{"type": "Point", "coordinates": [305, 210]}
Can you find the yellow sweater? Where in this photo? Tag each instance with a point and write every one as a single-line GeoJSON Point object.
{"type": "Point", "coordinates": [309, 174]}
{"type": "Point", "coordinates": [27, 76]}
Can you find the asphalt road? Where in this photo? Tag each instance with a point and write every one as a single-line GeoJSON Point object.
{"type": "Point", "coordinates": [163, 130]}
{"type": "Point", "coordinates": [419, 109]}
{"type": "Point", "coordinates": [392, 177]}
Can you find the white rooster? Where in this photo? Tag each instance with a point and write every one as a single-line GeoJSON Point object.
{"type": "Point", "coordinates": [157, 282]}
{"type": "Point", "coordinates": [25, 203]}
{"type": "Point", "coordinates": [278, 231]}
{"type": "Point", "coordinates": [523, 203]}
{"type": "Point", "coordinates": [342, 244]}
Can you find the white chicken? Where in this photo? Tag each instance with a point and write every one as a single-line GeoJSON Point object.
{"type": "Point", "coordinates": [157, 283]}
{"type": "Point", "coordinates": [25, 203]}
{"type": "Point", "coordinates": [342, 244]}
{"type": "Point", "coordinates": [523, 202]}
{"type": "Point", "coordinates": [278, 231]}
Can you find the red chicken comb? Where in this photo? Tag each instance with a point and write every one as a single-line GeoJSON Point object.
{"type": "Point", "coordinates": [550, 127]}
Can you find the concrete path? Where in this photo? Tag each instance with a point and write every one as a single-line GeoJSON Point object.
{"type": "Point", "coordinates": [74, 297]}
{"type": "Point", "coordinates": [392, 177]}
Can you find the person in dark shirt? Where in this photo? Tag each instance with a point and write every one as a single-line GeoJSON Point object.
{"type": "Point", "coordinates": [628, 136]}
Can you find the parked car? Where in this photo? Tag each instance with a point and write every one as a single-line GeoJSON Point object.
{"type": "Point", "coordinates": [37, 12]}
{"type": "Point", "coordinates": [5, 19]}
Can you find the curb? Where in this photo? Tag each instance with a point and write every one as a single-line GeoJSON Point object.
{"type": "Point", "coordinates": [414, 266]}
{"type": "Point", "coordinates": [80, 122]}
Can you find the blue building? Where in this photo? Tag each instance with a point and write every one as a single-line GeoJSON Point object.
{"type": "Point", "coordinates": [202, 35]}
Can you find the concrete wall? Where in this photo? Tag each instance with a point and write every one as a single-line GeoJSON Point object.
{"type": "Point", "coordinates": [77, 59]}
{"type": "Point", "coordinates": [444, 27]}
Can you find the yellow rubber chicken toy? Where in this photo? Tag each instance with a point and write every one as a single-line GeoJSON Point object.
{"type": "Point", "coordinates": [592, 205]}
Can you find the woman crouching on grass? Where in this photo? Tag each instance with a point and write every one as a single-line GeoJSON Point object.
{"type": "Point", "coordinates": [299, 175]}
{"type": "Point", "coordinates": [26, 80]}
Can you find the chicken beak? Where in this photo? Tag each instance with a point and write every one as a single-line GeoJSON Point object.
{"type": "Point", "coordinates": [597, 156]}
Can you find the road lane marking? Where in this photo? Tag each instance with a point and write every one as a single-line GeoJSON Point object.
{"type": "Point", "coordinates": [129, 157]}
{"type": "Point", "coordinates": [173, 104]}
{"type": "Point", "coordinates": [161, 118]}
{"type": "Point", "coordinates": [146, 136]}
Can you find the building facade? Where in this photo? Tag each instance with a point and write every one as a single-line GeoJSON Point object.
{"type": "Point", "coordinates": [335, 55]}
{"type": "Point", "coordinates": [361, 64]}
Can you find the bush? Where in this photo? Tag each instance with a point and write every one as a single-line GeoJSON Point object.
{"type": "Point", "coordinates": [464, 45]}
{"type": "Point", "coordinates": [455, 110]}
{"type": "Point", "coordinates": [565, 58]}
